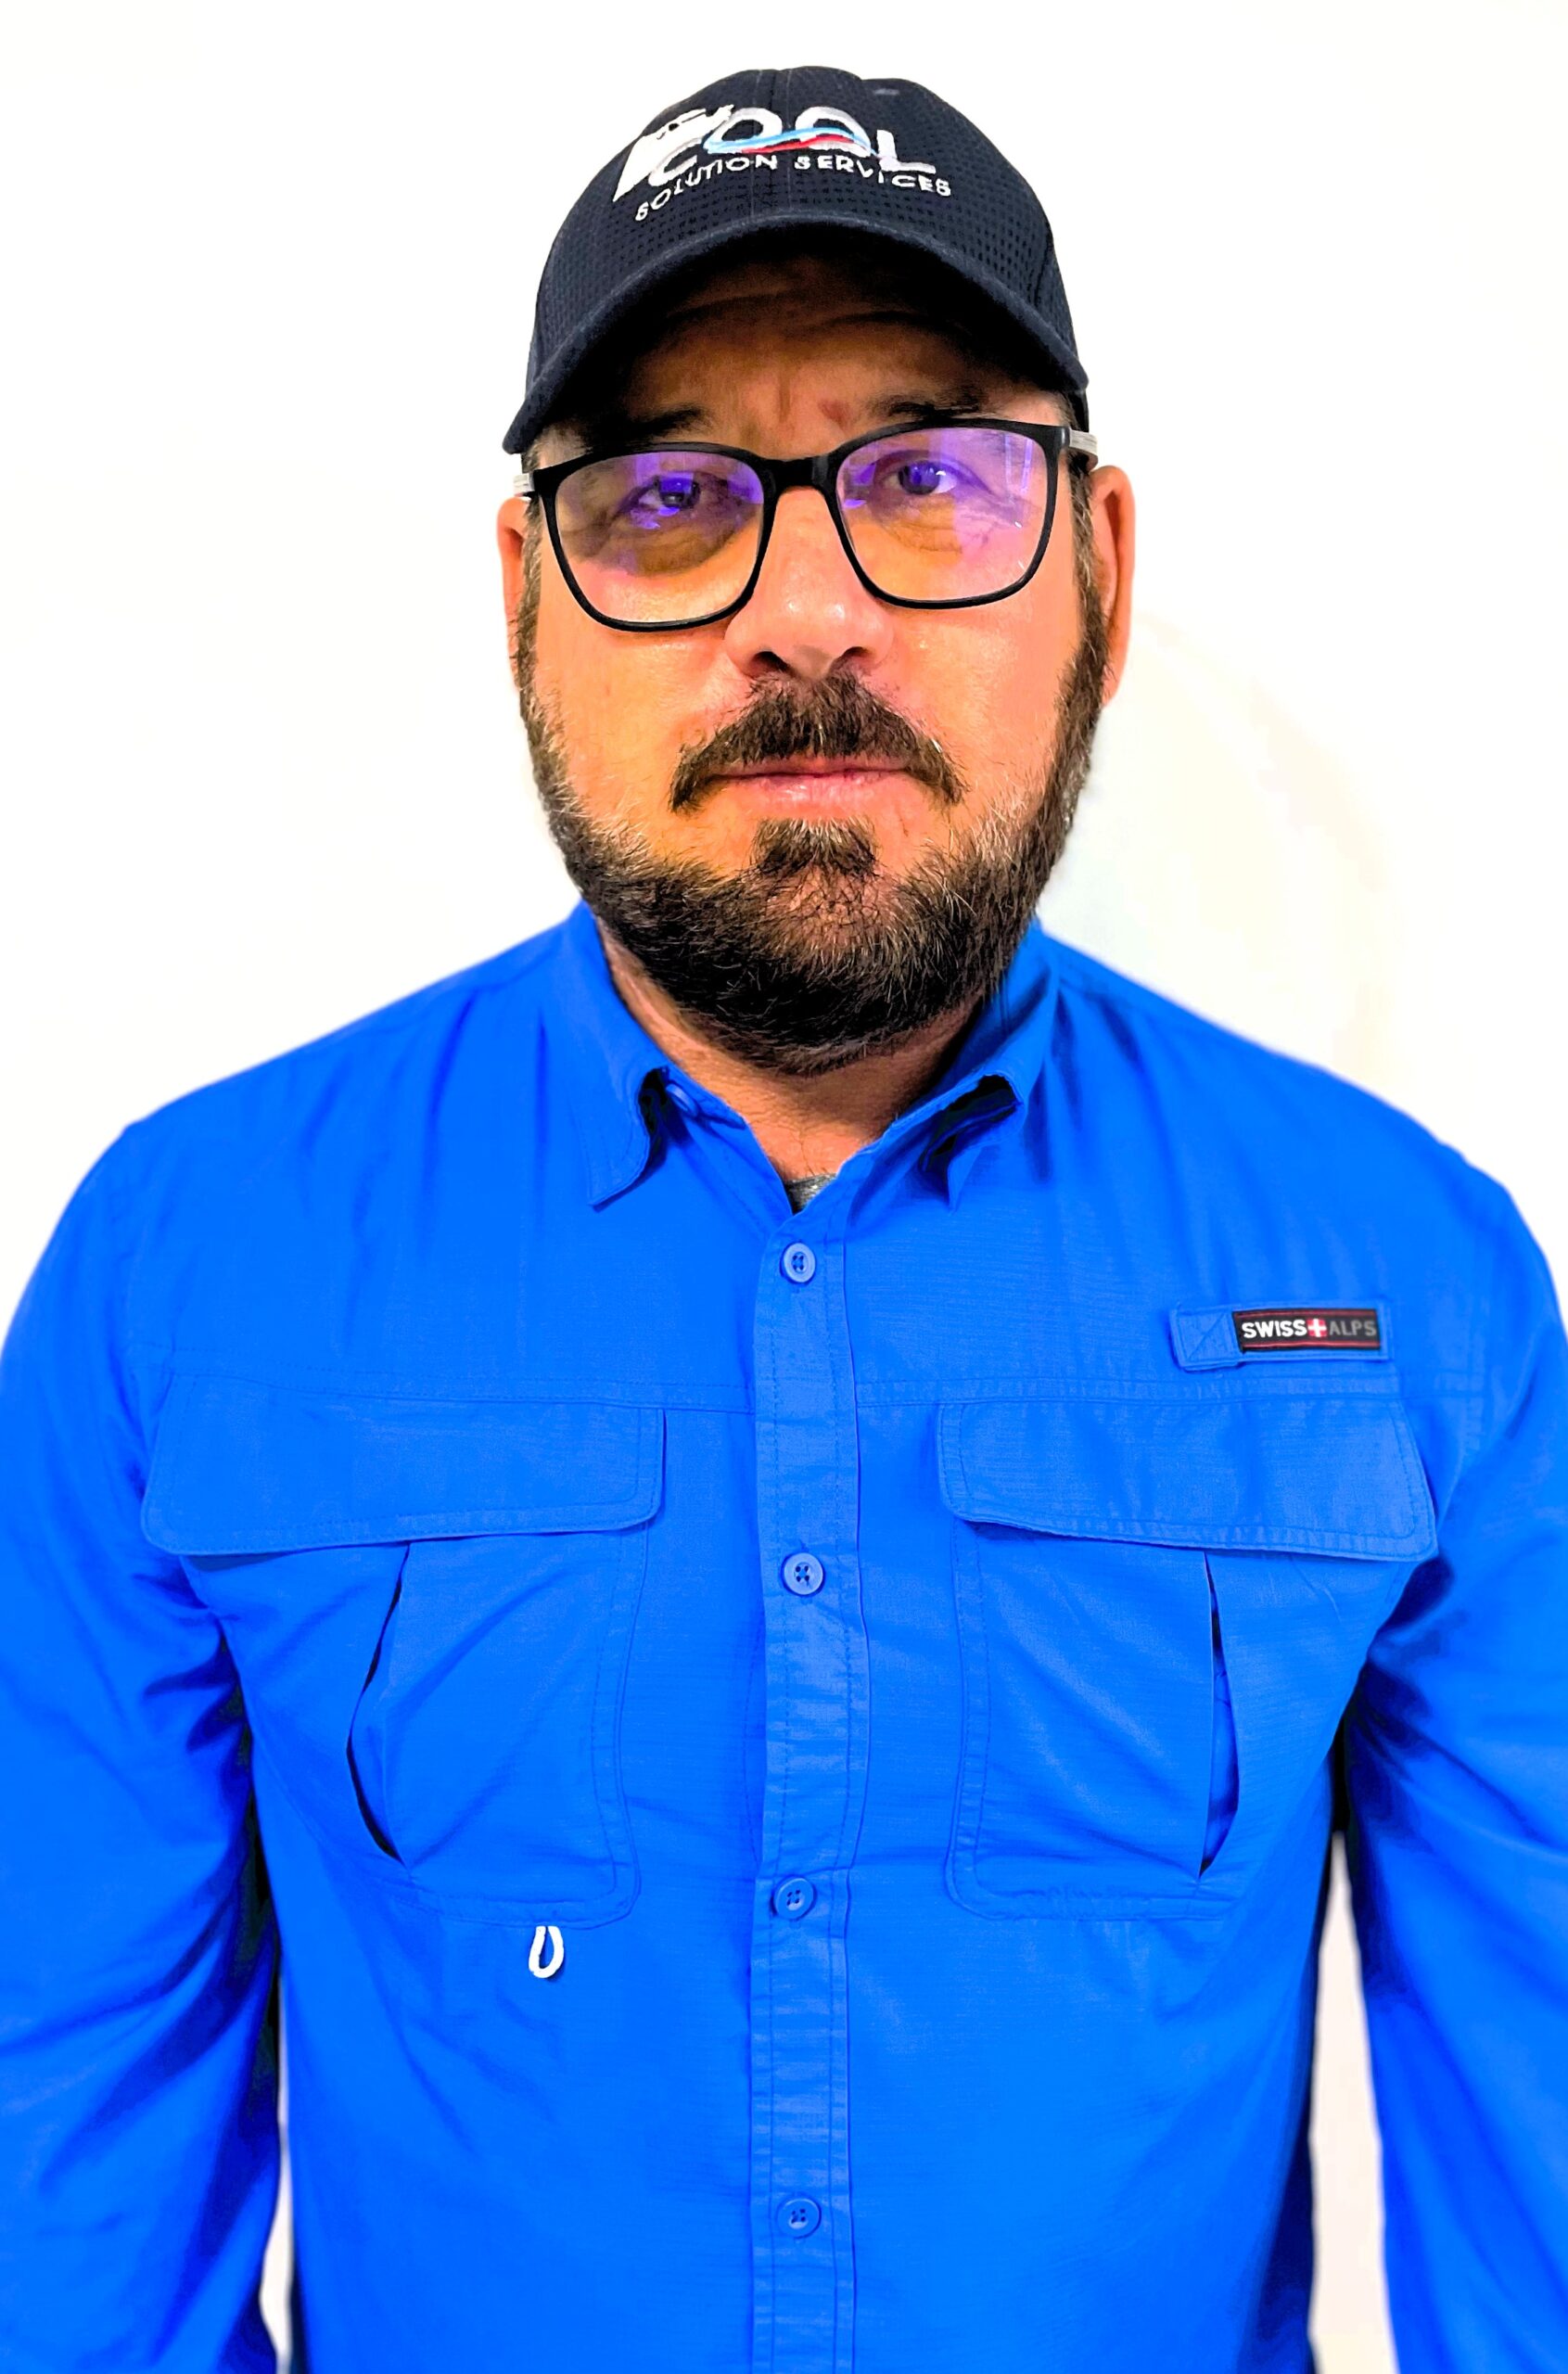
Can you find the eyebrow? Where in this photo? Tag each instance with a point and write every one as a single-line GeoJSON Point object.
{"type": "Point", "coordinates": [961, 398]}
{"type": "Point", "coordinates": [612, 429]}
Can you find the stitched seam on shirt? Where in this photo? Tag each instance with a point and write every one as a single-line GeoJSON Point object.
{"type": "Point", "coordinates": [838, 2086]}
{"type": "Point", "coordinates": [786, 1708]}
{"type": "Point", "coordinates": [123, 1350]}
{"type": "Point", "coordinates": [1122, 1906]}
{"type": "Point", "coordinates": [1209, 1333]}
{"type": "Point", "coordinates": [1157, 1532]}
{"type": "Point", "coordinates": [632, 1569]}
{"type": "Point", "coordinates": [339, 1381]}
{"type": "Point", "coordinates": [967, 1548]}
{"type": "Point", "coordinates": [1484, 1294]}
{"type": "Point", "coordinates": [982, 1600]}
{"type": "Point", "coordinates": [1239, 1386]}
{"type": "Point", "coordinates": [845, 1403]}
{"type": "Point", "coordinates": [783, 1836]}
{"type": "Point", "coordinates": [1377, 1381]}
{"type": "Point", "coordinates": [787, 1713]}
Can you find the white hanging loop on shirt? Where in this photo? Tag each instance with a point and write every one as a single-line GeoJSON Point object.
{"type": "Point", "coordinates": [540, 1968]}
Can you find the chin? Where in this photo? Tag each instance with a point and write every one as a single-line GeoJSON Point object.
{"type": "Point", "coordinates": [826, 895]}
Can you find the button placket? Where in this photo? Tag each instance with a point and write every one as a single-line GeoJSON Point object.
{"type": "Point", "coordinates": [817, 1703]}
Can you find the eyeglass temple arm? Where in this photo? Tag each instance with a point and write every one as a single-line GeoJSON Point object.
{"type": "Point", "coordinates": [1078, 440]}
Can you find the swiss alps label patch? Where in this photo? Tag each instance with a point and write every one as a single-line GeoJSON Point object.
{"type": "Point", "coordinates": [1307, 1328]}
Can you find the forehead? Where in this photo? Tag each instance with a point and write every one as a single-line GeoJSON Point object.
{"type": "Point", "coordinates": [858, 276]}
{"type": "Point", "coordinates": [743, 312]}
{"type": "Point", "coordinates": [851, 330]}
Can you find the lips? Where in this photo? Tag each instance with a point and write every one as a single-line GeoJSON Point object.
{"type": "Point", "coordinates": [814, 766]}
{"type": "Point", "coordinates": [811, 783]}
{"type": "Point", "coordinates": [811, 779]}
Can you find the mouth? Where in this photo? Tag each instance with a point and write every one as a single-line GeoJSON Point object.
{"type": "Point", "coordinates": [813, 783]}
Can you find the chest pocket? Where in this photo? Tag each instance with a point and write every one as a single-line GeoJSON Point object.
{"type": "Point", "coordinates": [431, 1607]}
{"type": "Point", "coordinates": [1163, 1606]}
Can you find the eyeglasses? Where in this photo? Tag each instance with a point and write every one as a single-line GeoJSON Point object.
{"type": "Point", "coordinates": [941, 516]}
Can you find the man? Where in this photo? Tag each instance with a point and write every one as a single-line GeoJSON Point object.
{"type": "Point", "coordinates": [754, 1542]}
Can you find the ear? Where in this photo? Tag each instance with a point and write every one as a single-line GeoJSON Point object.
{"type": "Point", "coordinates": [513, 526]}
{"type": "Point", "coordinates": [1115, 543]}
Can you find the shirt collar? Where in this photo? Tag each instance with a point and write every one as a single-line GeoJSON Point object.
{"type": "Point", "coordinates": [990, 1077]}
{"type": "Point", "coordinates": [613, 1068]}
{"type": "Point", "coordinates": [616, 1075]}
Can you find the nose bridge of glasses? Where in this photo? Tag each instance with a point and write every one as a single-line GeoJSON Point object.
{"type": "Point", "coordinates": [811, 474]}
{"type": "Point", "coordinates": [816, 470]}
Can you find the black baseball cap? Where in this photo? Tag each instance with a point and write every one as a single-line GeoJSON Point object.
{"type": "Point", "coordinates": [788, 148]}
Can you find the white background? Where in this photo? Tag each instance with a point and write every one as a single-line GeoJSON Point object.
{"type": "Point", "coordinates": [266, 295]}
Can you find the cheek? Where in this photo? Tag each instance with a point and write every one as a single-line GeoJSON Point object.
{"type": "Point", "coordinates": [987, 682]}
{"type": "Point", "coordinates": [623, 706]}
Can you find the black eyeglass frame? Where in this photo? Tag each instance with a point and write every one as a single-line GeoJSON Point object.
{"type": "Point", "coordinates": [778, 477]}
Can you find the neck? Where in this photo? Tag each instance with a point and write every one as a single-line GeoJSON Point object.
{"type": "Point", "coordinates": [803, 1124]}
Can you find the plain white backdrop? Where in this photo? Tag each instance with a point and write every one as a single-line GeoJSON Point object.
{"type": "Point", "coordinates": [266, 294]}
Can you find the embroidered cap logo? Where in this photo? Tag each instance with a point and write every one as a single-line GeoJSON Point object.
{"type": "Point", "coordinates": [694, 146]}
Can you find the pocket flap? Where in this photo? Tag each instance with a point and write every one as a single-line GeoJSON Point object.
{"type": "Point", "coordinates": [242, 1469]}
{"type": "Point", "coordinates": [1335, 1474]}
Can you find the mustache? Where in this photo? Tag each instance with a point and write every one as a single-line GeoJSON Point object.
{"type": "Point", "coordinates": [839, 718]}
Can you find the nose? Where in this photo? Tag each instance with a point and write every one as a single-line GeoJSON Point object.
{"type": "Point", "coordinates": [809, 612]}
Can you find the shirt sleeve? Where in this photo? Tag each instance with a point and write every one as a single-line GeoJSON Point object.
{"type": "Point", "coordinates": [1457, 1779]}
{"type": "Point", "coordinates": [138, 2128]}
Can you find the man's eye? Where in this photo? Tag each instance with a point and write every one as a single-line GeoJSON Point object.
{"type": "Point", "coordinates": [913, 479]}
{"type": "Point", "coordinates": [924, 477]}
{"type": "Point", "coordinates": [672, 496]}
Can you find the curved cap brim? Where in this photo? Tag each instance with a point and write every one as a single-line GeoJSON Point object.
{"type": "Point", "coordinates": [558, 374]}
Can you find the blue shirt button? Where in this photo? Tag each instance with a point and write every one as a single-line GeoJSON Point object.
{"type": "Point", "coordinates": [802, 1573]}
{"type": "Point", "coordinates": [794, 1898]}
{"type": "Point", "coordinates": [799, 1264]}
{"type": "Point", "coordinates": [801, 2215]}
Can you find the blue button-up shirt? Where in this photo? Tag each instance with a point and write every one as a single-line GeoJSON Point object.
{"type": "Point", "coordinates": [785, 1759]}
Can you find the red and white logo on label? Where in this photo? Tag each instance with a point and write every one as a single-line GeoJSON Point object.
{"type": "Point", "coordinates": [1307, 1330]}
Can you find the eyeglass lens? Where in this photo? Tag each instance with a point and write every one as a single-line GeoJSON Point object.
{"type": "Point", "coordinates": [946, 514]}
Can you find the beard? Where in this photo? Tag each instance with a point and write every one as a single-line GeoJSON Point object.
{"type": "Point", "coordinates": [813, 954]}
